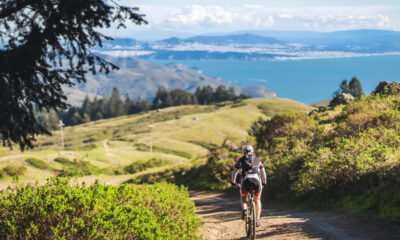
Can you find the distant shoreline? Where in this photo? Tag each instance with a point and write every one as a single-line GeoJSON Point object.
{"type": "Point", "coordinates": [312, 55]}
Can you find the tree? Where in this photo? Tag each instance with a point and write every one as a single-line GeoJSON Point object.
{"type": "Point", "coordinates": [355, 88]}
{"type": "Point", "coordinates": [116, 104]}
{"type": "Point", "coordinates": [343, 88]}
{"type": "Point", "coordinates": [220, 93]}
{"type": "Point", "coordinates": [85, 109]}
{"type": "Point", "coordinates": [47, 44]}
{"type": "Point", "coordinates": [181, 97]}
{"type": "Point", "coordinates": [162, 99]}
{"type": "Point", "coordinates": [127, 104]}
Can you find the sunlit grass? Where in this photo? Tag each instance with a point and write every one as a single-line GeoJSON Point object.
{"type": "Point", "coordinates": [174, 136]}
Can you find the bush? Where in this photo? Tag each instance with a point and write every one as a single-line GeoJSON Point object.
{"type": "Point", "coordinates": [13, 170]}
{"type": "Point", "coordinates": [60, 211]}
{"type": "Point", "coordinates": [87, 147]}
{"type": "Point", "coordinates": [139, 166]}
{"type": "Point", "coordinates": [62, 160]}
{"type": "Point", "coordinates": [77, 167]}
{"type": "Point", "coordinates": [334, 159]}
{"type": "Point", "coordinates": [146, 148]}
{"type": "Point", "coordinates": [37, 163]}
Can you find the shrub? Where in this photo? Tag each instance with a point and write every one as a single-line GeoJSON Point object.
{"type": "Point", "coordinates": [60, 211]}
{"type": "Point", "coordinates": [139, 166]}
{"type": "Point", "coordinates": [89, 140]}
{"type": "Point", "coordinates": [87, 147]}
{"type": "Point", "coordinates": [146, 148]}
{"type": "Point", "coordinates": [37, 163]}
{"type": "Point", "coordinates": [62, 160]}
{"type": "Point", "coordinates": [14, 171]}
{"type": "Point", "coordinates": [77, 167]}
{"type": "Point", "coordinates": [337, 158]}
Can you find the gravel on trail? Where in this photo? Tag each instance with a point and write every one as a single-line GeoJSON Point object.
{"type": "Point", "coordinates": [220, 215]}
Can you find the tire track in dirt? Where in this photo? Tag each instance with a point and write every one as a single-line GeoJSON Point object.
{"type": "Point", "coordinates": [221, 217]}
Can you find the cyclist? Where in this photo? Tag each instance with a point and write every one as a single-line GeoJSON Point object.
{"type": "Point", "coordinates": [253, 178]}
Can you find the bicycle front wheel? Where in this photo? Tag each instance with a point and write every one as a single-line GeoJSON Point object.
{"type": "Point", "coordinates": [248, 222]}
{"type": "Point", "coordinates": [253, 221]}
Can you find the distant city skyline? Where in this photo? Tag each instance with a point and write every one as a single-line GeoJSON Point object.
{"type": "Point", "coordinates": [184, 18]}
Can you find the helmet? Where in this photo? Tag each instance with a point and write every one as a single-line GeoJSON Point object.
{"type": "Point", "coordinates": [248, 151]}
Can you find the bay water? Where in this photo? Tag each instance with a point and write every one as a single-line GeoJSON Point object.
{"type": "Point", "coordinates": [307, 81]}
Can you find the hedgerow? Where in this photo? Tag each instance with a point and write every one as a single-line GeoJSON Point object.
{"type": "Point", "coordinates": [58, 210]}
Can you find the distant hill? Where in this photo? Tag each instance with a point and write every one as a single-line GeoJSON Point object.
{"type": "Point", "coordinates": [141, 79]}
{"type": "Point", "coordinates": [362, 40]}
{"type": "Point", "coordinates": [262, 45]}
{"type": "Point", "coordinates": [245, 38]}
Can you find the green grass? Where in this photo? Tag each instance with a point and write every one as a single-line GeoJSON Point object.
{"type": "Point", "coordinates": [322, 103]}
{"type": "Point", "coordinates": [37, 163]}
{"type": "Point", "coordinates": [180, 135]}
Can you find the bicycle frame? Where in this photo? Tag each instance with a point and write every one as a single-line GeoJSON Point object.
{"type": "Point", "coordinates": [250, 221]}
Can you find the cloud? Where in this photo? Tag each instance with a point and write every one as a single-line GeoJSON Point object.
{"type": "Point", "coordinates": [198, 19]}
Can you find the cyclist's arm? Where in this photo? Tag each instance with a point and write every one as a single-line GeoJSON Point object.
{"type": "Point", "coordinates": [263, 175]}
{"type": "Point", "coordinates": [234, 175]}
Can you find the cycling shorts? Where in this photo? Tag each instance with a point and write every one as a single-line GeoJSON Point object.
{"type": "Point", "coordinates": [251, 184]}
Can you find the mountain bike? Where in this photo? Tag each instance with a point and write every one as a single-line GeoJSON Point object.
{"type": "Point", "coordinates": [250, 221]}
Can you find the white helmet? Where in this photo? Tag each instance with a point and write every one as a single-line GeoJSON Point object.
{"type": "Point", "coordinates": [248, 151]}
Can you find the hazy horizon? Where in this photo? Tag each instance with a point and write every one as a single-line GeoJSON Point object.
{"type": "Point", "coordinates": [178, 18]}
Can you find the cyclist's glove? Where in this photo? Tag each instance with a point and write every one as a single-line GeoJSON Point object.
{"type": "Point", "coordinates": [234, 184]}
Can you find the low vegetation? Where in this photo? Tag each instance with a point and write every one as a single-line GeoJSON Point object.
{"type": "Point", "coordinates": [37, 163]}
{"type": "Point", "coordinates": [139, 166]}
{"type": "Point", "coordinates": [11, 170]}
{"type": "Point", "coordinates": [346, 159]}
{"type": "Point", "coordinates": [76, 167]}
{"type": "Point", "coordinates": [58, 210]}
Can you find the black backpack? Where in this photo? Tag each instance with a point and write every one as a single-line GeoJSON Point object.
{"type": "Point", "coordinates": [250, 165]}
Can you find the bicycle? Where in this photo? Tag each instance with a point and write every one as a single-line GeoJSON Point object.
{"type": "Point", "coordinates": [250, 221]}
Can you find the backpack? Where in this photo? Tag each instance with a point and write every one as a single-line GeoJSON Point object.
{"type": "Point", "coordinates": [250, 165]}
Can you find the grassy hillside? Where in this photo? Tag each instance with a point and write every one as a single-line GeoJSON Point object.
{"type": "Point", "coordinates": [180, 136]}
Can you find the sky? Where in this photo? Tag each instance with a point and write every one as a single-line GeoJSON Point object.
{"type": "Point", "coordinates": [182, 18]}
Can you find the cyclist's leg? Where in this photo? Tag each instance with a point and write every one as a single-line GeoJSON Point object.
{"type": "Point", "coordinates": [243, 199]}
{"type": "Point", "coordinates": [257, 200]}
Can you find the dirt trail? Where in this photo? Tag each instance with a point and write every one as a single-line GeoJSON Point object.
{"type": "Point", "coordinates": [7, 158]}
{"type": "Point", "coordinates": [221, 217]}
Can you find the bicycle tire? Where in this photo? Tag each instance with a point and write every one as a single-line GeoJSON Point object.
{"type": "Point", "coordinates": [253, 220]}
{"type": "Point", "coordinates": [248, 222]}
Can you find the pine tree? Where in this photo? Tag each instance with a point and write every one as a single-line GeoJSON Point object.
{"type": "Point", "coordinates": [116, 104]}
{"type": "Point", "coordinates": [231, 93]}
{"type": "Point", "coordinates": [76, 119]}
{"type": "Point", "coordinates": [94, 109]}
{"type": "Point", "coordinates": [343, 88]}
{"type": "Point", "coordinates": [355, 88]}
{"type": "Point", "coordinates": [221, 94]}
{"type": "Point", "coordinates": [45, 45]}
{"type": "Point", "coordinates": [85, 109]}
{"type": "Point", "coordinates": [127, 104]}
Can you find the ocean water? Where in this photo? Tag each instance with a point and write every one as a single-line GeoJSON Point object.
{"type": "Point", "coordinates": [307, 81]}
